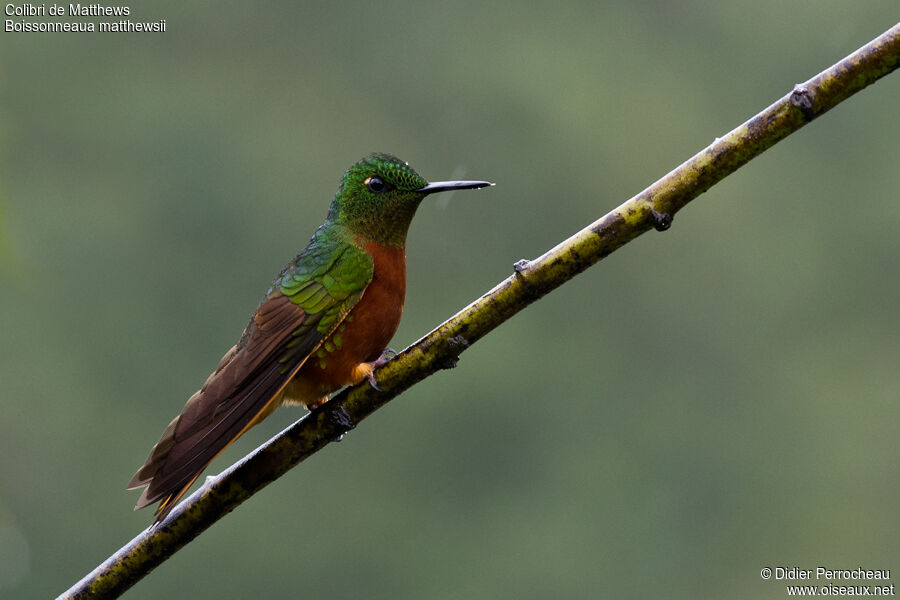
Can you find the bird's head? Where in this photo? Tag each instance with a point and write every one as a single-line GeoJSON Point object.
{"type": "Point", "coordinates": [379, 195]}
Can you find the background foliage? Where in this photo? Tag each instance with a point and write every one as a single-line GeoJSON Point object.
{"type": "Point", "coordinates": [706, 402]}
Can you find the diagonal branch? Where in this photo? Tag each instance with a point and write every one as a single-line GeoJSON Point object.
{"type": "Point", "coordinates": [652, 208]}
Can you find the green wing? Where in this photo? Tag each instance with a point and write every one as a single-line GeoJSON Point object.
{"type": "Point", "coordinates": [308, 300]}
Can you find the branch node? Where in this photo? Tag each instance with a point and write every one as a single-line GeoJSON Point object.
{"type": "Point", "coordinates": [342, 421]}
{"type": "Point", "coordinates": [661, 221]}
{"type": "Point", "coordinates": [457, 344]}
{"type": "Point", "coordinates": [802, 98]}
{"type": "Point", "coordinates": [520, 265]}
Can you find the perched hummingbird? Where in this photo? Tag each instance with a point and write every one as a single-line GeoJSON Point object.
{"type": "Point", "coordinates": [322, 325]}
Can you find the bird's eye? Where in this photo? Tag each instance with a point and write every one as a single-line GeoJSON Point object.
{"type": "Point", "coordinates": [376, 184]}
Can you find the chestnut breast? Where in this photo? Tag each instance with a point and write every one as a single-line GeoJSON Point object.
{"type": "Point", "coordinates": [369, 326]}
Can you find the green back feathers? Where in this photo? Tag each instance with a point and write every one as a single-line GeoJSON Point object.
{"type": "Point", "coordinates": [327, 277]}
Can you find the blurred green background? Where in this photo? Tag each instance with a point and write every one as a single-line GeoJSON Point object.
{"type": "Point", "coordinates": [702, 404]}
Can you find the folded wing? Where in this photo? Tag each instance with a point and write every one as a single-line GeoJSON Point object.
{"type": "Point", "coordinates": [309, 300]}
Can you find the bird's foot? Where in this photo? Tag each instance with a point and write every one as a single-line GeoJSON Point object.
{"type": "Point", "coordinates": [386, 356]}
{"type": "Point", "coordinates": [373, 383]}
{"type": "Point", "coordinates": [314, 404]}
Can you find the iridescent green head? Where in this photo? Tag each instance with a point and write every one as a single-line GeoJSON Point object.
{"type": "Point", "coordinates": [379, 195]}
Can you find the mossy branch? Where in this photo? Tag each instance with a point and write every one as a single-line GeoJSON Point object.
{"type": "Point", "coordinates": [653, 208]}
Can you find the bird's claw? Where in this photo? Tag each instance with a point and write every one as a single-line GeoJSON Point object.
{"type": "Point", "coordinates": [372, 382]}
{"type": "Point", "coordinates": [386, 356]}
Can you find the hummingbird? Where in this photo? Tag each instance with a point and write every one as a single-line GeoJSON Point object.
{"type": "Point", "coordinates": [322, 325]}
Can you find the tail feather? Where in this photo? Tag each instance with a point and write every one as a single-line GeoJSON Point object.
{"type": "Point", "coordinates": [245, 388]}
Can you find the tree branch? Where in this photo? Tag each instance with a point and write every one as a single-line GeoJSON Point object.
{"type": "Point", "coordinates": [652, 208]}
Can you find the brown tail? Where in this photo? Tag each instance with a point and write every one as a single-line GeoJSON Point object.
{"type": "Point", "coordinates": [245, 388]}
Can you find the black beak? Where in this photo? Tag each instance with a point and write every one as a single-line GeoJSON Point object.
{"type": "Point", "coordinates": [446, 186]}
